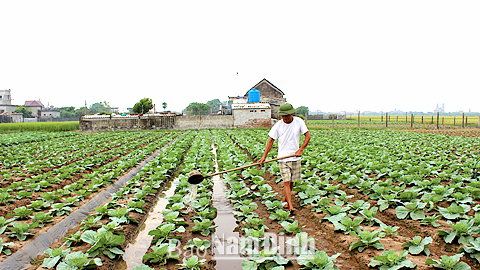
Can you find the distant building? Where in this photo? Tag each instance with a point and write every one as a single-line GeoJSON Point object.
{"type": "Point", "coordinates": [270, 94]}
{"type": "Point", "coordinates": [251, 114]}
{"type": "Point", "coordinates": [49, 113]}
{"type": "Point", "coordinates": [6, 102]}
{"type": "Point", "coordinates": [440, 109]}
{"type": "Point", "coordinates": [35, 106]}
{"type": "Point", "coordinates": [238, 100]}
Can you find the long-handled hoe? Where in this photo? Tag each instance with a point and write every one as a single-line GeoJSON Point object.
{"type": "Point", "coordinates": [196, 177]}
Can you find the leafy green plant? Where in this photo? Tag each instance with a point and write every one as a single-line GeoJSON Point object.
{"type": "Point", "coordinates": [42, 218]}
{"type": "Point", "coordinates": [254, 223]}
{"type": "Point", "coordinates": [21, 212]}
{"type": "Point", "coordinates": [201, 203]}
{"type": "Point", "coordinates": [121, 216]}
{"type": "Point", "coordinates": [290, 227]}
{"type": "Point", "coordinates": [252, 233]}
{"type": "Point", "coordinates": [414, 209]}
{"type": "Point", "coordinates": [246, 211]}
{"type": "Point", "coordinates": [369, 215]}
{"type": "Point", "coordinates": [281, 215]}
{"type": "Point", "coordinates": [164, 230]}
{"type": "Point", "coordinates": [454, 211]}
{"type": "Point", "coordinates": [4, 224]}
{"type": "Point", "coordinates": [205, 227]}
{"type": "Point", "coordinates": [103, 242]}
{"type": "Point", "coordinates": [38, 205]}
{"type": "Point", "coordinates": [318, 261]}
{"type": "Point", "coordinates": [462, 229]}
{"type": "Point", "coordinates": [302, 244]}
{"type": "Point", "coordinates": [366, 239]}
{"type": "Point", "coordinates": [162, 253]}
{"type": "Point", "coordinates": [417, 245]}
{"type": "Point", "coordinates": [387, 200]}
{"type": "Point", "coordinates": [389, 230]}
{"type": "Point", "coordinates": [449, 262]}
{"type": "Point", "coordinates": [54, 256]}
{"type": "Point", "coordinates": [473, 248]}
{"type": "Point", "coordinates": [21, 230]}
{"type": "Point", "coordinates": [192, 263]}
{"type": "Point", "coordinates": [390, 260]}
{"type": "Point", "coordinates": [198, 243]}
{"type": "Point", "coordinates": [431, 220]}
{"type": "Point", "coordinates": [78, 260]}
{"type": "Point", "coordinates": [358, 205]}
{"type": "Point", "coordinates": [4, 247]}
{"type": "Point", "coordinates": [265, 259]}
{"type": "Point", "coordinates": [335, 213]}
{"type": "Point", "coordinates": [73, 238]}
{"type": "Point", "coordinates": [91, 223]}
{"type": "Point", "coordinates": [6, 198]}
{"type": "Point", "coordinates": [347, 224]}
{"type": "Point", "coordinates": [275, 204]}
{"type": "Point", "coordinates": [145, 267]}
{"type": "Point", "coordinates": [60, 209]}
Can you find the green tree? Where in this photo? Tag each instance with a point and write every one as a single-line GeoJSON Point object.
{"type": "Point", "coordinates": [100, 107]}
{"type": "Point", "coordinates": [302, 110]}
{"type": "Point", "coordinates": [23, 110]}
{"type": "Point", "coordinates": [214, 104]}
{"type": "Point", "coordinates": [68, 112]}
{"type": "Point", "coordinates": [196, 108]}
{"type": "Point", "coordinates": [164, 105]}
{"type": "Point", "coordinates": [143, 106]}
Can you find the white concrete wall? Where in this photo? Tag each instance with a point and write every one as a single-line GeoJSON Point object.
{"type": "Point", "coordinates": [242, 116]}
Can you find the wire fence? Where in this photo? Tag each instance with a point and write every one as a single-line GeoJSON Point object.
{"type": "Point", "coordinates": [399, 122]}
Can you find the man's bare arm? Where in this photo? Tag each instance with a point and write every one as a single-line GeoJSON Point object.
{"type": "Point", "coordinates": [304, 144]}
{"type": "Point", "coordinates": [268, 147]}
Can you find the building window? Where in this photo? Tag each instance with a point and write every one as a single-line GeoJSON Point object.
{"type": "Point", "coordinates": [262, 111]}
{"type": "Point", "coordinates": [0, 97]}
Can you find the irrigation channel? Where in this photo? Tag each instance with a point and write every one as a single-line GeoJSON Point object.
{"type": "Point", "coordinates": [141, 242]}
{"type": "Point", "coordinates": [224, 240]}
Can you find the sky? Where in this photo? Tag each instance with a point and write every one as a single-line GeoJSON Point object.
{"type": "Point", "coordinates": [326, 55]}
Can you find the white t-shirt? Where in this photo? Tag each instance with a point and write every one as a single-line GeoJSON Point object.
{"type": "Point", "coordinates": [288, 136]}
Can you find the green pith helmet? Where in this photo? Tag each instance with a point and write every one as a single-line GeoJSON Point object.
{"type": "Point", "coordinates": [286, 109]}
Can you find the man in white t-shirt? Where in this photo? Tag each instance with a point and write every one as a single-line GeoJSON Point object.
{"type": "Point", "coordinates": [287, 132]}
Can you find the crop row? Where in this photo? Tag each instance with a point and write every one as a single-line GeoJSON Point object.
{"type": "Point", "coordinates": [40, 202]}
{"type": "Point", "coordinates": [379, 179]}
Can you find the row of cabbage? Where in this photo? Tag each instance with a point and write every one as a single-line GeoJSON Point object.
{"type": "Point", "coordinates": [410, 173]}
{"type": "Point", "coordinates": [33, 158]}
{"type": "Point", "coordinates": [9, 139]}
{"type": "Point", "coordinates": [42, 206]}
{"type": "Point", "coordinates": [248, 191]}
{"type": "Point", "coordinates": [190, 208]}
{"type": "Point", "coordinates": [399, 170]}
{"type": "Point", "coordinates": [102, 231]}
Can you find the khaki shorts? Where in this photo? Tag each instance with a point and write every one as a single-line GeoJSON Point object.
{"type": "Point", "coordinates": [291, 170]}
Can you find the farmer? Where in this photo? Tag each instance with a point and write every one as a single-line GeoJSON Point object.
{"type": "Point", "coordinates": [288, 131]}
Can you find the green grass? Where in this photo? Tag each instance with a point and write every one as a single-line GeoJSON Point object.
{"type": "Point", "coordinates": [39, 126]}
{"type": "Point", "coordinates": [376, 122]}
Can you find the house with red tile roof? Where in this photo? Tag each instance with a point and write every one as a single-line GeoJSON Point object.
{"type": "Point", "coordinates": [35, 106]}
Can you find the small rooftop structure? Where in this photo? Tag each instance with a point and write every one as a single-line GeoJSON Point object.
{"type": "Point", "coordinates": [248, 106]}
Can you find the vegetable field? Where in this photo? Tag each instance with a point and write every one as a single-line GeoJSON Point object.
{"type": "Point", "coordinates": [368, 199]}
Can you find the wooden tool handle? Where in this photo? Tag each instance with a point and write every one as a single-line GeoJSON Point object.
{"type": "Point", "coordinates": [250, 165]}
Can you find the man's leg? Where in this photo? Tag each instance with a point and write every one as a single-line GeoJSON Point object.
{"type": "Point", "coordinates": [286, 172]}
{"type": "Point", "coordinates": [288, 194]}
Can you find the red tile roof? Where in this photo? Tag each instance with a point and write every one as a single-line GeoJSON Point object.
{"type": "Point", "coordinates": [33, 103]}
